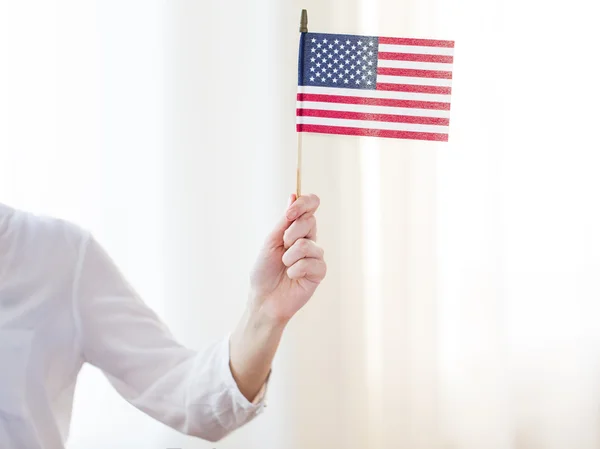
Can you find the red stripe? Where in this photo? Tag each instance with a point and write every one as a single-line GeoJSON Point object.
{"type": "Point", "coordinates": [414, 73]}
{"type": "Point", "coordinates": [415, 57]}
{"type": "Point", "coordinates": [371, 132]}
{"type": "Point", "coordinates": [373, 117]}
{"type": "Point", "coordinates": [443, 90]}
{"type": "Point", "coordinates": [374, 101]}
{"type": "Point", "coordinates": [419, 42]}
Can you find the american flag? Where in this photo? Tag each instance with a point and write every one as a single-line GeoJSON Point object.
{"type": "Point", "coordinates": [374, 86]}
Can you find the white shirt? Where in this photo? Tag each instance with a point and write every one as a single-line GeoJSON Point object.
{"type": "Point", "coordinates": [63, 303]}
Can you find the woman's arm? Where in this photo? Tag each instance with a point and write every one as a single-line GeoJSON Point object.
{"type": "Point", "coordinates": [289, 268]}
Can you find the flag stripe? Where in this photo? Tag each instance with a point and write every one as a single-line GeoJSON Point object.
{"type": "Point", "coordinates": [413, 65]}
{"type": "Point", "coordinates": [414, 80]}
{"type": "Point", "coordinates": [416, 42]}
{"type": "Point", "coordinates": [416, 49]}
{"type": "Point", "coordinates": [391, 94]}
{"type": "Point", "coordinates": [372, 132]}
{"type": "Point", "coordinates": [347, 115]}
{"type": "Point", "coordinates": [375, 101]}
{"type": "Point", "coordinates": [393, 126]}
{"type": "Point", "coordinates": [415, 57]}
{"type": "Point", "coordinates": [414, 73]}
{"type": "Point", "coordinates": [369, 109]}
{"type": "Point", "coordinates": [411, 88]}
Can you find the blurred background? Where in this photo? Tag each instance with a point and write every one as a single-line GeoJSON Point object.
{"type": "Point", "coordinates": [462, 303]}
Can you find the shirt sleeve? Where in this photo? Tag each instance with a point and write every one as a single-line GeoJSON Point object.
{"type": "Point", "coordinates": [192, 392]}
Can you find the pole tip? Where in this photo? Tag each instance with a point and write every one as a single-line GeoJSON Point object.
{"type": "Point", "coordinates": [304, 22]}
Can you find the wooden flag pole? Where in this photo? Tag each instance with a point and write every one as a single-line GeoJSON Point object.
{"type": "Point", "coordinates": [299, 167]}
{"type": "Point", "coordinates": [303, 29]}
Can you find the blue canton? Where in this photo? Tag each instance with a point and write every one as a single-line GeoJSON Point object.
{"type": "Point", "coordinates": [338, 60]}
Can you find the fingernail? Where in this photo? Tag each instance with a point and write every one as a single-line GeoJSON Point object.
{"type": "Point", "coordinates": [290, 200]}
{"type": "Point", "coordinates": [292, 214]}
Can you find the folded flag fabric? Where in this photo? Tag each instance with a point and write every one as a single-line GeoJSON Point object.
{"type": "Point", "coordinates": [374, 86]}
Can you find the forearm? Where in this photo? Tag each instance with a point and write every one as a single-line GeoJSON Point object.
{"type": "Point", "coordinates": [253, 345]}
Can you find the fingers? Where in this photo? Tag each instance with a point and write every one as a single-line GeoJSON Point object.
{"type": "Point", "coordinates": [306, 204]}
{"type": "Point", "coordinates": [276, 236]}
{"type": "Point", "coordinates": [313, 270]}
{"type": "Point", "coordinates": [304, 227]}
{"type": "Point", "coordinates": [302, 249]}
{"type": "Point", "coordinates": [291, 200]}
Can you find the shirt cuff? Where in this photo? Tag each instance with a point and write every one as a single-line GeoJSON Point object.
{"type": "Point", "coordinates": [258, 404]}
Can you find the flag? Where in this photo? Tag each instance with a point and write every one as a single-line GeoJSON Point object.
{"type": "Point", "coordinates": [374, 86]}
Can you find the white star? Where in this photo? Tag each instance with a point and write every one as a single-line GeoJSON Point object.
{"type": "Point", "coordinates": [370, 63]}
{"type": "Point", "coordinates": [369, 83]}
{"type": "Point", "coordinates": [371, 43]}
{"type": "Point", "coordinates": [312, 50]}
{"type": "Point", "coordinates": [364, 77]}
{"type": "Point", "coordinates": [312, 59]}
{"type": "Point", "coordinates": [341, 66]}
{"type": "Point", "coordinates": [336, 51]}
{"type": "Point", "coordinates": [324, 60]}
{"type": "Point", "coordinates": [353, 57]}
{"type": "Point", "coordinates": [312, 69]}
{"type": "Point", "coordinates": [352, 76]}
{"type": "Point", "coordinates": [330, 55]}
{"type": "Point", "coordinates": [364, 67]}
{"type": "Point", "coordinates": [324, 50]}
{"type": "Point", "coordinates": [318, 64]}
{"type": "Point", "coordinates": [357, 81]}
{"type": "Point", "coordinates": [336, 42]}
{"type": "Point", "coordinates": [324, 79]}
{"type": "Point", "coordinates": [352, 66]}
{"type": "Point", "coordinates": [342, 56]}
{"type": "Point", "coordinates": [358, 72]}
{"type": "Point", "coordinates": [324, 69]}
{"type": "Point", "coordinates": [342, 46]}
{"type": "Point", "coordinates": [347, 52]}
{"type": "Point", "coordinates": [347, 71]}
{"type": "Point", "coordinates": [359, 43]}
{"type": "Point", "coordinates": [312, 78]}
{"type": "Point", "coordinates": [335, 61]}
{"type": "Point", "coordinates": [314, 40]}
{"type": "Point", "coordinates": [318, 55]}
{"type": "Point", "coordinates": [359, 52]}
{"type": "Point", "coordinates": [354, 47]}
{"type": "Point", "coordinates": [318, 45]}
{"type": "Point", "coordinates": [366, 48]}
{"type": "Point", "coordinates": [335, 70]}
{"type": "Point", "coordinates": [329, 65]}
{"type": "Point", "coordinates": [370, 53]}
{"type": "Point", "coordinates": [324, 41]}
{"type": "Point", "coordinates": [330, 46]}
{"type": "Point", "coordinates": [370, 73]}
{"type": "Point", "coordinates": [346, 81]}
{"type": "Point", "coordinates": [347, 42]}
{"type": "Point", "coordinates": [364, 58]}
{"type": "Point", "coordinates": [335, 80]}
{"type": "Point", "coordinates": [329, 75]}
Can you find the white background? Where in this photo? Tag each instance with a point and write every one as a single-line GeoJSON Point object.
{"type": "Point", "coordinates": [461, 306]}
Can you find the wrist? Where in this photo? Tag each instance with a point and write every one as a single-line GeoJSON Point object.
{"type": "Point", "coordinates": [261, 315]}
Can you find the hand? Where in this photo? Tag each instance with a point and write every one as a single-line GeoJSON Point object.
{"type": "Point", "coordinates": [290, 265]}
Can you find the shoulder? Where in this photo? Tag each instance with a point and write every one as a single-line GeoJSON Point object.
{"type": "Point", "coordinates": [41, 241]}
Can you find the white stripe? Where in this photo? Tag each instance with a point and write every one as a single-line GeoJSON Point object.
{"type": "Point", "coordinates": [363, 124]}
{"type": "Point", "coordinates": [368, 109]}
{"type": "Point", "coordinates": [416, 49]}
{"type": "Point", "coordinates": [421, 81]}
{"type": "Point", "coordinates": [363, 93]}
{"type": "Point", "coordinates": [414, 65]}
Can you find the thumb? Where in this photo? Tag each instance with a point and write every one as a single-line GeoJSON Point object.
{"type": "Point", "coordinates": [275, 238]}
